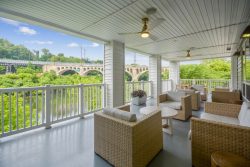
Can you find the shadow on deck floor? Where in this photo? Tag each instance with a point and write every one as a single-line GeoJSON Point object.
{"type": "Point", "coordinates": [71, 145]}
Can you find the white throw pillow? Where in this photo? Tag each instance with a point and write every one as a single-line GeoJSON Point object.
{"type": "Point", "coordinates": [108, 111]}
{"type": "Point", "coordinates": [123, 115]}
{"type": "Point", "coordinates": [243, 111]}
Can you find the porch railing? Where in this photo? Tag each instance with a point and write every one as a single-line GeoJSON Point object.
{"type": "Point", "coordinates": [209, 83]}
{"type": "Point", "coordinates": [131, 86]}
{"type": "Point", "coordinates": [23, 109]}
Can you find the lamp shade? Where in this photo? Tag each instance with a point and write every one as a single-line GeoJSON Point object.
{"type": "Point", "coordinates": [144, 34]}
{"type": "Point", "coordinates": [246, 32]}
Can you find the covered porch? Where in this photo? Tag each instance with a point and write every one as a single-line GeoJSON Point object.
{"type": "Point", "coordinates": [72, 144]}
{"type": "Point", "coordinates": [177, 31]}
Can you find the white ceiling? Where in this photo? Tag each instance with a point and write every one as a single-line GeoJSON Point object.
{"type": "Point", "coordinates": [210, 26]}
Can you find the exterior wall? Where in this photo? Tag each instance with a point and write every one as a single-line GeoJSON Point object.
{"type": "Point", "coordinates": [174, 72]}
{"type": "Point", "coordinates": [114, 64]}
{"type": "Point", "coordinates": [234, 71]}
{"type": "Point", "coordinates": [155, 75]}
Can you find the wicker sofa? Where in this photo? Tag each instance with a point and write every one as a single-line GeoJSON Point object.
{"type": "Point", "coordinates": [226, 97]}
{"type": "Point", "coordinates": [128, 144]}
{"type": "Point", "coordinates": [219, 132]}
{"type": "Point", "coordinates": [195, 97]}
{"type": "Point", "coordinates": [202, 89]}
{"type": "Point", "coordinates": [178, 101]}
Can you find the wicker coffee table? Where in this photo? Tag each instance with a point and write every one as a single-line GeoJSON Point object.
{"type": "Point", "coordinates": [167, 114]}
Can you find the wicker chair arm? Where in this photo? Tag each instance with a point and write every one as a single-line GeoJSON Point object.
{"type": "Point", "coordinates": [205, 90]}
{"type": "Point", "coordinates": [196, 100]}
{"type": "Point", "coordinates": [107, 138]}
{"type": "Point", "coordinates": [125, 143]}
{"type": "Point", "coordinates": [186, 103]}
{"type": "Point", "coordinates": [210, 136]}
{"type": "Point", "coordinates": [147, 139]}
{"type": "Point", "coordinates": [162, 98]}
{"type": "Point", "coordinates": [224, 109]}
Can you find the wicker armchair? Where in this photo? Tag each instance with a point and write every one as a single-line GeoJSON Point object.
{"type": "Point", "coordinates": [128, 144]}
{"type": "Point", "coordinates": [210, 136]}
{"type": "Point", "coordinates": [226, 97]}
{"type": "Point", "coordinates": [186, 106]}
{"type": "Point", "coordinates": [202, 89]}
{"type": "Point", "coordinates": [195, 98]}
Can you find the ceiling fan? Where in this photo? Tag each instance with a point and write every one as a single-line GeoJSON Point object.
{"type": "Point", "coordinates": [146, 28]}
{"type": "Point", "coordinates": [188, 56]}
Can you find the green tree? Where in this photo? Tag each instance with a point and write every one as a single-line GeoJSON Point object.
{"type": "Point", "coordinates": [144, 76]}
{"type": "Point", "coordinates": [208, 69]}
{"type": "Point", "coordinates": [2, 70]}
{"type": "Point", "coordinates": [127, 77]}
{"type": "Point", "coordinates": [165, 75]}
{"type": "Point", "coordinates": [17, 52]}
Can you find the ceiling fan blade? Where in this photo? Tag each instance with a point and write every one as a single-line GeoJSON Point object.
{"type": "Point", "coordinates": [197, 55]}
{"type": "Point", "coordinates": [192, 55]}
{"type": "Point", "coordinates": [156, 23]}
{"type": "Point", "coordinates": [153, 37]}
{"type": "Point", "coordinates": [129, 33]}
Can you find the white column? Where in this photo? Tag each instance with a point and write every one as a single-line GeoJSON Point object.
{"type": "Point", "coordinates": [234, 65]}
{"type": "Point", "coordinates": [114, 65]}
{"type": "Point", "coordinates": [155, 75]}
{"type": "Point", "coordinates": [174, 73]}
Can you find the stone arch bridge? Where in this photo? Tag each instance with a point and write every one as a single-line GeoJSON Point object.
{"type": "Point", "coordinates": [134, 71]}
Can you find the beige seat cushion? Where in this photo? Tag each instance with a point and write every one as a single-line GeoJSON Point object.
{"type": "Point", "coordinates": [219, 118]}
{"type": "Point", "coordinates": [244, 115]}
{"type": "Point", "coordinates": [187, 91]}
{"type": "Point", "coordinates": [198, 87]}
{"type": "Point", "coordinates": [175, 96]}
{"type": "Point", "coordinates": [202, 93]}
{"type": "Point", "coordinates": [172, 104]}
{"type": "Point", "coordinates": [246, 120]}
{"type": "Point", "coordinates": [243, 111]}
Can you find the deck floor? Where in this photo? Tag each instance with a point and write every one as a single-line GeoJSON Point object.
{"type": "Point", "coordinates": [71, 145]}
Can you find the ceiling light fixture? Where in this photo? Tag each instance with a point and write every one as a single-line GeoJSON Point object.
{"type": "Point", "coordinates": [246, 32]}
{"type": "Point", "coordinates": [188, 54]}
{"type": "Point", "coordinates": [237, 53]}
{"type": "Point", "coordinates": [228, 48]}
{"type": "Point", "coordinates": [144, 34]}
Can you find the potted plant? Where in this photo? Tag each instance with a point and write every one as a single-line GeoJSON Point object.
{"type": "Point", "coordinates": [139, 97]}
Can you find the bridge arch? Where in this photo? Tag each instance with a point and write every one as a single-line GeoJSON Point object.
{"type": "Point", "coordinates": [67, 72]}
{"type": "Point", "coordinates": [128, 76]}
{"type": "Point", "coordinates": [143, 74]}
{"type": "Point", "coordinates": [88, 72]}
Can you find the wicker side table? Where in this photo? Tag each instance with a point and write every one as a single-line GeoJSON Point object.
{"type": "Point", "coordinates": [167, 114]}
{"type": "Point", "coordinates": [225, 159]}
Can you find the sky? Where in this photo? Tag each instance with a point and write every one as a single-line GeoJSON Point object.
{"type": "Point", "coordinates": [36, 38]}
